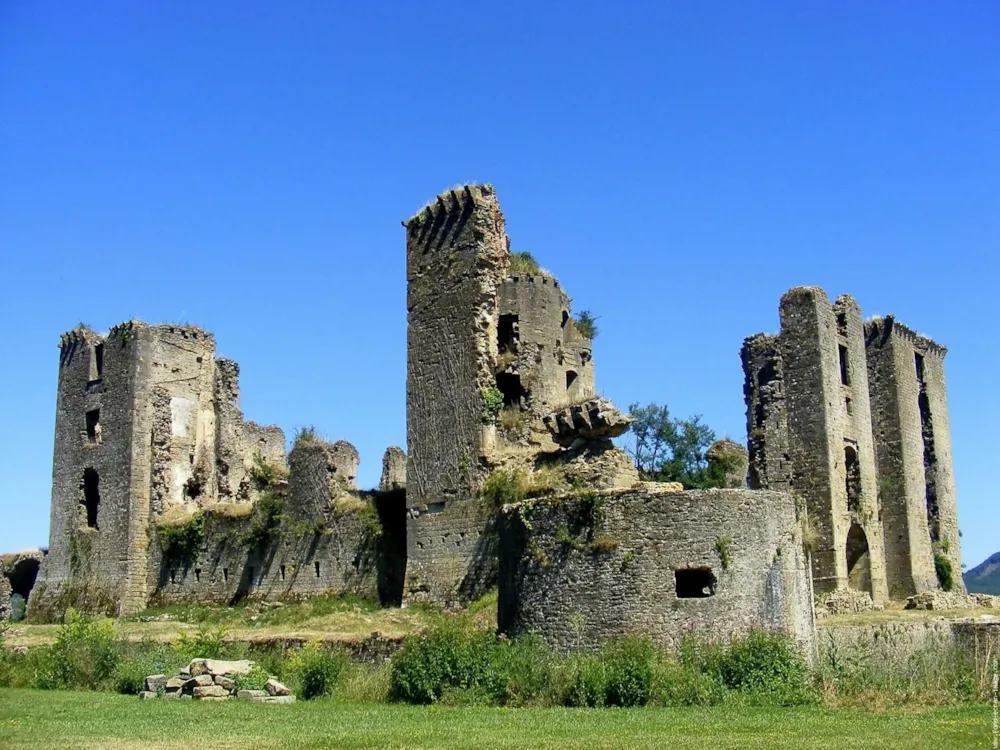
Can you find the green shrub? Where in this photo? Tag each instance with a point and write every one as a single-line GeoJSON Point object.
{"type": "Point", "coordinates": [629, 667]}
{"type": "Point", "coordinates": [524, 264]}
{"type": "Point", "coordinates": [252, 680]}
{"type": "Point", "coordinates": [502, 487]}
{"type": "Point", "coordinates": [206, 643]}
{"type": "Point", "coordinates": [942, 566]}
{"type": "Point", "coordinates": [183, 542]}
{"type": "Point", "coordinates": [587, 683]}
{"type": "Point", "coordinates": [85, 655]}
{"type": "Point", "coordinates": [452, 655]}
{"type": "Point", "coordinates": [764, 666]}
{"type": "Point", "coordinates": [265, 521]}
{"type": "Point", "coordinates": [492, 404]}
{"type": "Point", "coordinates": [586, 324]}
{"type": "Point", "coordinates": [317, 671]}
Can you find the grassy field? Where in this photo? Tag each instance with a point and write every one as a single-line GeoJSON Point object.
{"type": "Point", "coordinates": [50, 720]}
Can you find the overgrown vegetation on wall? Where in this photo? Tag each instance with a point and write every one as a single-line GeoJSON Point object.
{"type": "Point", "coordinates": [182, 542]}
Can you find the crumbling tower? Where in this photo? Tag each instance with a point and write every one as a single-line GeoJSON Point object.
{"type": "Point", "coordinates": [913, 447]}
{"type": "Point", "coordinates": [810, 431]}
{"type": "Point", "coordinates": [543, 361]}
{"type": "Point", "coordinates": [456, 258]}
{"type": "Point", "coordinates": [145, 423]}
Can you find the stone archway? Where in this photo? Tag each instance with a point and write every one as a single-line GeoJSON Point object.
{"type": "Point", "coordinates": [859, 573]}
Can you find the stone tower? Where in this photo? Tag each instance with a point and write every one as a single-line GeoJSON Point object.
{"type": "Point", "coordinates": [913, 447]}
{"type": "Point", "coordinates": [853, 418]}
{"type": "Point", "coordinates": [146, 421]}
{"type": "Point", "coordinates": [456, 258]}
{"type": "Point", "coordinates": [810, 431]}
{"type": "Point", "coordinates": [542, 361]}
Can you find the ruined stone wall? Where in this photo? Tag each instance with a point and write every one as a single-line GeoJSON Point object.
{"type": "Point", "coordinates": [914, 464]}
{"type": "Point", "coordinates": [809, 422]}
{"type": "Point", "coordinates": [136, 437]}
{"type": "Point", "coordinates": [88, 556]}
{"type": "Point", "coordinates": [239, 443]}
{"type": "Point", "coordinates": [543, 362]}
{"type": "Point", "coordinates": [393, 469]}
{"type": "Point", "coordinates": [457, 255]}
{"type": "Point", "coordinates": [313, 537]}
{"type": "Point", "coordinates": [853, 418]}
{"type": "Point", "coordinates": [577, 570]}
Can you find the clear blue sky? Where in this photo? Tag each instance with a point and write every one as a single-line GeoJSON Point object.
{"type": "Point", "coordinates": [245, 167]}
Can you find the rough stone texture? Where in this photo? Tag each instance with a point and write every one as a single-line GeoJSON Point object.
{"type": "Point", "coordinates": [913, 447]}
{"type": "Point", "coordinates": [542, 360]}
{"type": "Point", "coordinates": [145, 424]}
{"type": "Point", "coordinates": [593, 419]}
{"type": "Point", "coordinates": [5, 594]}
{"type": "Point", "coordinates": [810, 428]}
{"type": "Point", "coordinates": [393, 470]}
{"type": "Point", "coordinates": [251, 694]}
{"type": "Point", "coordinates": [210, 691]}
{"type": "Point", "coordinates": [936, 599]}
{"type": "Point", "coordinates": [219, 667]}
{"type": "Point", "coordinates": [331, 542]}
{"type": "Point", "coordinates": [156, 682]}
{"type": "Point", "coordinates": [898, 645]}
{"type": "Point", "coordinates": [149, 434]}
{"type": "Point", "coordinates": [732, 460]}
{"type": "Point", "coordinates": [457, 256]}
{"type": "Point", "coordinates": [576, 570]}
{"type": "Point", "coordinates": [273, 687]}
{"type": "Point", "coordinates": [847, 601]}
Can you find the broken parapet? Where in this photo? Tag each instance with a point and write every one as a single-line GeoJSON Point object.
{"type": "Point", "coordinates": [344, 460]}
{"type": "Point", "coordinates": [730, 460]}
{"type": "Point", "coordinates": [594, 419]}
{"type": "Point", "coordinates": [393, 469]}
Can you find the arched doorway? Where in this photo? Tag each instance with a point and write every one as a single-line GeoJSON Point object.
{"type": "Point", "coordinates": [859, 572]}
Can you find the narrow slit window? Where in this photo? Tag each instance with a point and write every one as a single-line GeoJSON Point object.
{"type": "Point", "coordinates": [97, 367]}
{"type": "Point", "coordinates": [197, 575]}
{"type": "Point", "coordinates": [282, 572]}
{"type": "Point", "coordinates": [316, 566]}
{"type": "Point", "coordinates": [918, 363]}
{"type": "Point", "coordinates": [845, 372]}
{"type": "Point", "coordinates": [225, 574]}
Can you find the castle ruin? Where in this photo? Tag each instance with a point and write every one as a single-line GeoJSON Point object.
{"type": "Point", "coordinates": [163, 493]}
{"type": "Point", "coordinates": [852, 417]}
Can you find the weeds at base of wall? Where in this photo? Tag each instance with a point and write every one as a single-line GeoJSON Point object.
{"type": "Point", "coordinates": [492, 400]}
{"type": "Point", "coordinates": [942, 567]}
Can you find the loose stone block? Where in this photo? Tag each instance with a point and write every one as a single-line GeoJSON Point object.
{"type": "Point", "coordinates": [273, 687]}
{"type": "Point", "coordinates": [202, 680]}
{"type": "Point", "coordinates": [147, 695]}
{"type": "Point", "coordinates": [225, 682]}
{"type": "Point", "coordinates": [248, 695]}
{"type": "Point", "coordinates": [156, 682]}
{"type": "Point", "coordinates": [210, 691]}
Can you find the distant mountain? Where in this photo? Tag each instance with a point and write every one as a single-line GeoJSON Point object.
{"type": "Point", "coordinates": [985, 577]}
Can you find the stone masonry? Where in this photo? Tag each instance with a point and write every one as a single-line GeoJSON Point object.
{"type": "Point", "coordinates": [149, 437]}
{"type": "Point", "coordinates": [578, 569]}
{"type": "Point", "coordinates": [822, 405]}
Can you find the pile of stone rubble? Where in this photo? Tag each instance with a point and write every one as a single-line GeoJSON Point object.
{"type": "Point", "coordinates": [213, 680]}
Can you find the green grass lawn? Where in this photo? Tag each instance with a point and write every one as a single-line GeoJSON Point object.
{"type": "Point", "coordinates": [44, 720]}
